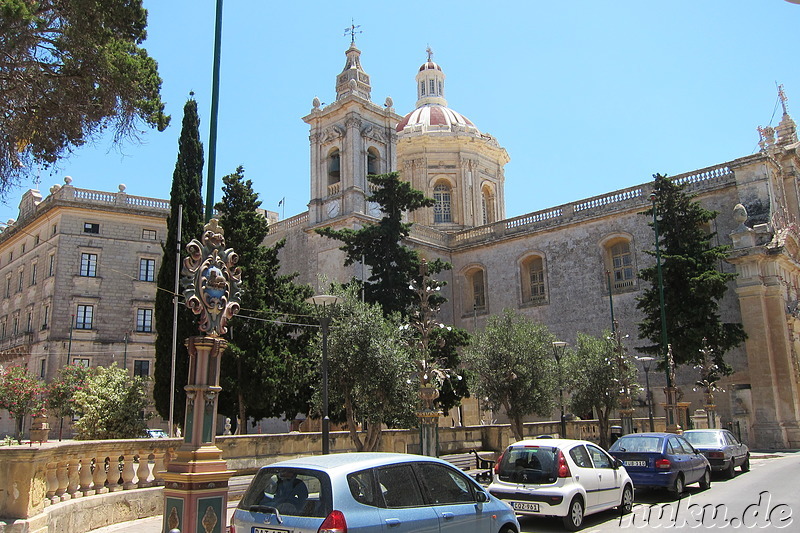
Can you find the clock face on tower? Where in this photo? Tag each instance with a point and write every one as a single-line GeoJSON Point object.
{"type": "Point", "coordinates": [374, 209]}
{"type": "Point", "coordinates": [332, 209]}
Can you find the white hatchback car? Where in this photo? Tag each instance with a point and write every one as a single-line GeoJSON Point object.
{"type": "Point", "coordinates": [561, 477]}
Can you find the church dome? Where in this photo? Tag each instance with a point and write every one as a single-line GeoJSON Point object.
{"type": "Point", "coordinates": [433, 117]}
{"type": "Point", "coordinates": [430, 65]}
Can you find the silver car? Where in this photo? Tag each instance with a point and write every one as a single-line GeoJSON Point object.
{"type": "Point", "coordinates": [368, 492]}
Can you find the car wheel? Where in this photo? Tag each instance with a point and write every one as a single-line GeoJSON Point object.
{"type": "Point", "coordinates": [626, 504]}
{"type": "Point", "coordinates": [705, 481]}
{"type": "Point", "coordinates": [508, 529]}
{"type": "Point", "coordinates": [677, 487]}
{"type": "Point", "coordinates": [746, 464]}
{"type": "Point", "coordinates": [729, 473]}
{"type": "Point", "coordinates": [574, 519]}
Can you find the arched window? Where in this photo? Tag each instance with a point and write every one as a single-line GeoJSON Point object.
{"type": "Point", "coordinates": [334, 167]}
{"type": "Point", "coordinates": [442, 209]}
{"type": "Point", "coordinates": [620, 264]}
{"type": "Point", "coordinates": [372, 161]}
{"type": "Point", "coordinates": [476, 290]}
{"type": "Point", "coordinates": [487, 205]}
{"type": "Point", "coordinates": [534, 289]}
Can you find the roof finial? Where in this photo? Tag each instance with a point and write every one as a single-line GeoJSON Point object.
{"type": "Point", "coordinates": [352, 31]}
{"type": "Point", "coordinates": [783, 98]}
{"type": "Point", "coordinates": [429, 51]}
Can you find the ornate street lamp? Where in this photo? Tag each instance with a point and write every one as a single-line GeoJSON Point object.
{"type": "Point", "coordinates": [323, 303]}
{"type": "Point", "coordinates": [559, 347]}
{"type": "Point", "coordinates": [646, 361]}
{"type": "Point", "coordinates": [709, 375]}
{"type": "Point", "coordinates": [670, 391]}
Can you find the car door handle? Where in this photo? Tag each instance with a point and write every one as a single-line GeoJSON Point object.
{"type": "Point", "coordinates": [448, 516]}
{"type": "Point", "coordinates": [392, 522]}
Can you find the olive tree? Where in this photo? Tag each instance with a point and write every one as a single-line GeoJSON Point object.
{"type": "Point", "coordinates": [512, 360]}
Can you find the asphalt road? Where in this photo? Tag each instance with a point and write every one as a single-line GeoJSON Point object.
{"type": "Point", "coordinates": [765, 499]}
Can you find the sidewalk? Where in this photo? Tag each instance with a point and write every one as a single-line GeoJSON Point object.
{"type": "Point", "coordinates": [152, 524]}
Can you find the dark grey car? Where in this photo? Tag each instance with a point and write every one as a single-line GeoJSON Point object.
{"type": "Point", "coordinates": [722, 449]}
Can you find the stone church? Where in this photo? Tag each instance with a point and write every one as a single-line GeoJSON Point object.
{"type": "Point", "coordinates": [556, 265]}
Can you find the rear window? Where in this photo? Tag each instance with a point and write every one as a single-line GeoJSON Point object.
{"type": "Point", "coordinates": [528, 464]}
{"type": "Point", "coordinates": [703, 438]}
{"type": "Point", "coordinates": [641, 444]}
{"type": "Point", "coordinates": [292, 491]}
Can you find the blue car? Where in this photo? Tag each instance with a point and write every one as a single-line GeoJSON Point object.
{"type": "Point", "coordinates": [369, 492]}
{"type": "Point", "coordinates": [662, 460]}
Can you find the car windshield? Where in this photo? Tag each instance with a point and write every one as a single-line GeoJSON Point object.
{"type": "Point", "coordinates": [290, 491]}
{"type": "Point", "coordinates": [702, 438]}
{"type": "Point", "coordinates": [637, 444]}
{"type": "Point", "coordinates": [528, 464]}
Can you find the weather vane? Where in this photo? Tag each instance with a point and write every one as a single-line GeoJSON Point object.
{"type": "Point", "coordinates": [352, 31]}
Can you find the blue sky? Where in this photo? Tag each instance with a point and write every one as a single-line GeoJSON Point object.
{"type": "Point", "coordinates": [586, 96]}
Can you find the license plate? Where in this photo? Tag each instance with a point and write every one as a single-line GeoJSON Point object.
{"type": "Point", "coordinates": [257, 529]}
{"type": "Point", "coordinates": [524, 506]}
{"type": "Point", "coordinates": [635, 463]}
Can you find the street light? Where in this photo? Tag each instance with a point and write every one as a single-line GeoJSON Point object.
{"type": "Point", "coordinates": [646, 361]}
{"type": "Point", "coordinates": [559, 347]}
{"type": "Point", "coordinates": [322, 302]}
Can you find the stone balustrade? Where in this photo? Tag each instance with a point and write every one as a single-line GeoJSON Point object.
{"type": "Point", "coordinates": [35, 477]}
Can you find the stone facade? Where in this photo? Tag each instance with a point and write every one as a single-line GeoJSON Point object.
{"type": "Point", "coordinates": [78, 274]}
{"type": "Point", "coordinates": [556, 265]}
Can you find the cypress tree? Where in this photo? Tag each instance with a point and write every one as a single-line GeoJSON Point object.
{"type": "Point", "coordinates": [692, 278]}
{"type": "Point", "coordinates": [187, 182]}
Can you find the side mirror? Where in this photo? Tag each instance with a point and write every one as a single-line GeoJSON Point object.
{"type": "Point", "coordinates": [617, 462]}
{"type": "Point", "coordinates": [481, 497]}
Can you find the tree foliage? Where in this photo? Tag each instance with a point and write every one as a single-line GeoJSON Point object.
{"type": "Point", "coordinates": [267, 371]}
{"type": "Point", "coordinates": [60, 392]}
{"type": "Point", "coordinates": [513, 362]}
{"type": "Point", "coordinates": [693, 282]}
{"type": "Point", "coordinates": [187, 184]}
{"type": "Point", "coordinates": [21, 394]}
{"type": "Point", "coordinates": [595, 374]}
{"type": "Point", "coordinates": [380, 246]}
{"type": "Point", "coordinates": [110, 405]}
{"type": "Point", "coordinates": [369, 365]}
{"type": "Point", "coordinates": [70, 69]}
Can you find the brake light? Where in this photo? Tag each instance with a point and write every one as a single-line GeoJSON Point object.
{"type": "Point", "coordinates": [663, 464]}
{"type": "Point", "coordinates": [497, 463]}
{"type": "Point", "coordinates": [334, 523]}
{"type": "Point", "coordinates": [716, 455]}
{"type": "Point", "coordinates": [231, 529]}
{"type": "Point", "coordinates": [563, 467]}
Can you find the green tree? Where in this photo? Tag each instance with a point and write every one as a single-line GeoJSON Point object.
{"type": "Point", "coordinates": [60, 393]}
{"type": "Point", "coordinates": [71, 69]}
{"type": "Point", "coordinates": [595, 373]}
{"type": "Point", "coordinates": [369, 365]}
{"type": "Point", "coordinates": [513, 362]}
{"type": "Point", "coordinates": [187, 184]}
{"type": "Point", "coordinates": [21, 395]}
{"type": "Point", "coordinates": [693, 282]}
{"type": "Point", "coordinates": [445, 347]}
{"type": "Point", "coordinates": [110, 405]}
{"type": "Point", "coordinates": [266, 369]}
{"type": "Point", "coordinates": [380, 246]}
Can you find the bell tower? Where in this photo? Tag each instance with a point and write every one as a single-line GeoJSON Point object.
{"type": "Point", "coordinates": [350, 138]}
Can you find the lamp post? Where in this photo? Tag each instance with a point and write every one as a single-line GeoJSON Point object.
{"type": "Point", "coordinates": [322, 302]}
{"type": "Point", "coordinates": [558, 352]}
{"type": "Point", "coordinates": [671, 393]}
{"type": "Point", "coordinates": [646, 362]}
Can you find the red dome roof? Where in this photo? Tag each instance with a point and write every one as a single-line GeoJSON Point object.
{"type": "Point", "coordinates": [434, 117]}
